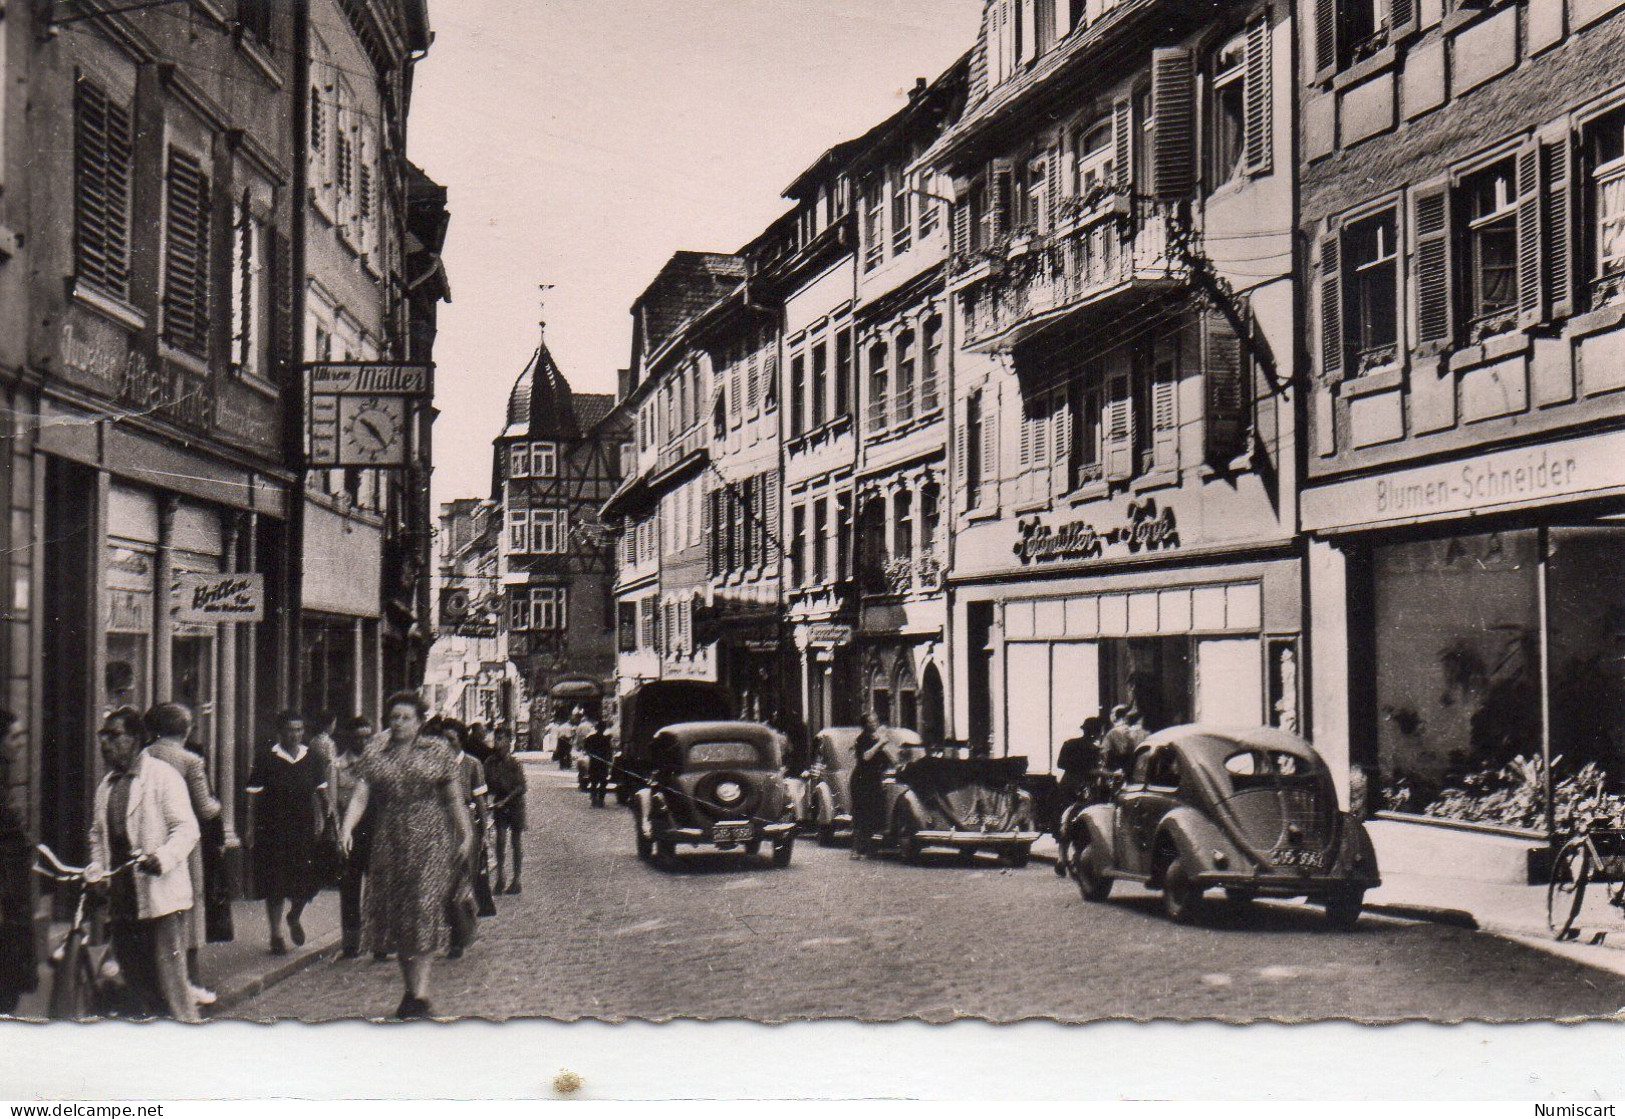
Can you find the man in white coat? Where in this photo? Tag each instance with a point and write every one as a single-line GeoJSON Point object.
{"type": "Point", "coordinates": [143, 812]}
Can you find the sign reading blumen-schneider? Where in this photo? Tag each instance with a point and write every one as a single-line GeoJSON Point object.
{"type": "Point", "coordinates": [1503, 479]}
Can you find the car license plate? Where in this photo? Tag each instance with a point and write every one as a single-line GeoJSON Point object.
{"type": "Point", "coordinates": [732, 833]}
{"type": "Point", "coordinates": [1295, 856]}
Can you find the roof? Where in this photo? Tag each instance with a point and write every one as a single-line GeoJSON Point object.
{"type": "Point", "coordinates": [686, 285]}
{"type": "Point", "coordinates": [541, 405]}
{"type": "Point", "coordinates": [591, 407]}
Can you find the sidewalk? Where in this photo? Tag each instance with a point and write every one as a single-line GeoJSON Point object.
{"type": "Point", "coordinates": [240, 969]}
{"type": "Point", "coordinates": [1518, 912]}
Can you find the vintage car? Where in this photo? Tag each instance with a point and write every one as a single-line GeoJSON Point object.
{"type": "Point", "coordinates": [1253, 812]}
{"type": "Point", "coordinates": [716, 784]}
{"type": "Point", "coordinates": [826, 806]}
{"type": "Point", "coordinates": [655, 704]}
{"type": "Point", "coordinates": [965, 804]}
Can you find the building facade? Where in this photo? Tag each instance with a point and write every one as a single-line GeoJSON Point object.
{"type": "Point", "coordinates": [1463, 488]}
{"type": "Point", "coordinates": [469, 674]}
{"type": "Point", "coordinates": [1124, 462]}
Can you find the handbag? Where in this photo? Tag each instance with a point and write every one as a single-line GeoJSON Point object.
{"type": "Point", "coordinates": [462, 913]}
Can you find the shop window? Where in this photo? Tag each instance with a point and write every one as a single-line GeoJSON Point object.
{"type": "Point", "coordinates": [880, 696]}
{"type": "Point", "coordinates": [1491, 249]}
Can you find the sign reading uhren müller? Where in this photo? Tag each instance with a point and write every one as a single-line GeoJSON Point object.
{"type": "Point", "coordinates": [219, 599]}
{"type": "Point", "coordinates": [361, 412]}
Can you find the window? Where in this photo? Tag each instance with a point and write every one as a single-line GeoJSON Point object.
{"type": "Point", "coordinates": [843, 536]}
{"type": "Point", "coordinates": [798, 389]}
{"type": "Point", "coordinates": [928, 207]}
{"type": "Point", "coordinates": [186, 255]}
{"type": "Point", "coordinates": [1491, 248]}
{"type": "Point", "coordinates": [820, 542]}
{"type": "Point", "coordinates": [103, 155]}
{"type": "Point", "coordinates": [878, 378]}
{"type": "Point", "coordinates": [626, 627]}
{"type": "Point", "coordinates": [547, 608]}
{"type": "Point", "coordinates": [1607, 156]}
{"type": "Point", "coordinates": [519, 460]}
{"type": "Point", "coordinates": [1097, 167]}
{"type": "Point", "coordinates": [249, 298]}
{"type": "Point", "coordinates": [820, 379]}
{"type": "Point", "coordinates": [1035, 207]}
{"type": "Point", "coordinates": [930, 520]}
{"type": "Point", "coordinates": [1227, 138]}
{"type": "Point", "coordinates": [902, 218]}
{"type": "Point", "coordinates": [970, 453]}
{"type": "Point", "coordinates": [931, 366]}
{"type": "Point", "coordinates": [1373, 297]}
{"type": "Point", "coordinates": [843, 372]}
{"type": "Point", "coordinates": [254, 18]}
{"type": "Point", "coordinates": [905, 377]}
{"type": "Point", "coordinates": [544, 460]}
{"type": "Point", "coordinates": [903, 524]}
{"type": "Point", "coordinates": [874, 226]}
{"type": "Point", "coordinates": [519, 611]}
{"type": "Point", "coordinates": [548, 531]}
{"type": "Point", "coordinates": [798, 546]}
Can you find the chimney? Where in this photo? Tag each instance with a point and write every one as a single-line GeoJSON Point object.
{"type": "Point", "coordinates": [918, 90]}
{"type": "Point", "coordinates": [623, 384]}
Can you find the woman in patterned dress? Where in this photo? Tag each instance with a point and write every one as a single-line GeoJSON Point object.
{"type": "Point", "coordinates": [421, 836]}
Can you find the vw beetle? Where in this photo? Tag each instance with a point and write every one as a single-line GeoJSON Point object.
{"type": "Point", "coordinates": [1253, 812]}
{"type": "Point", "coordinates": [717, 784]}
{"type": "Point", "coordinates": [828, 805]}
{"type": "Point", "coordinates": [963, 804]}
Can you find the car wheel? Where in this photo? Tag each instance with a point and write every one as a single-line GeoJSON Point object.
{"type": "Point", "coordinates": [1181, 898]}
{"type": "Point", "coordinates": [1093, 885]}
{"type": "Point", "coordinates": [1237, 895]}
{"type": "Point", "coordinates": [826, 835]}
{"type": "Point", "coordinates": [782, 853]}
{"type": "Point", "coordinates": [966, 856]}
{"type": "Point", "coordinates": [908, 839]}
{"type": "Point", "coordinates": [665, 850]}
{"type": "Point", "coordinates": [646, 845]}
{"type": "Point", "coordinates": [1017, 857]}
{"type": "Point", "coordinates": [753, 848]}
{"type": "Point", "coordinates": [1343, 910]}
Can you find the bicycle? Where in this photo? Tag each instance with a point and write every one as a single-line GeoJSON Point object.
{"type": "Point", "coordinates": [81, 974]}
{"type": "Point", "coordinates": [1596, 854]}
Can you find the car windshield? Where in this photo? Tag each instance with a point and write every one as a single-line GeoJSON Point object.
{"type": "Point", "coordinates": [722, 753]}
{"type": "Point", "coordinates": [1273, 769]}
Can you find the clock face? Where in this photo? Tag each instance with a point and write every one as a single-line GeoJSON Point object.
{"type": "Point", "coordinates": [373, 431]}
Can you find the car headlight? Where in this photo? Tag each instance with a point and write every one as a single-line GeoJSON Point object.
{"type": "Point", "coordinates": [729, 792]}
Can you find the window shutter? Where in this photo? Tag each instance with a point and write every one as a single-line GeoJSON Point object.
{"type": "Point", "coordinates": [1123, 144]}
{"type": "Point", "coordinates": [1173, 104]}
{"type": "Point", "coordinates": [1165, 415]}
{"type": "Point", "coordinates": [961, 228]}
{"type": "Point", "coordinates": [278, 264]}
{"type": "Point", "coordinates": [762, 521]}
{"type": "Point", "coordinates": [186, 255]}
{"type": "Point", "coordinates": [986, 484]}
{"type": "Point", "coordinates": [1434, 308]}
{"type": "Point", "coordinates": [1119, 433]}
{"type": "Point", "coordinates": [775, 546]}
{"type": "Point", "coordinates": [1531, 252]}
{"type": "Point", "coordinates": [961, 449]}
{"type": "Point", "coordinates": [770, 381]}
{"type": "Point", "coordinates": [753, 380]}
{"type": "Point", "coordinates": [103, 152]}
{"type": "Point", "coordinates": [1325, 35]}
{"type": "Point", "coordinates": [713, 538]}
{"type": "Point", "coordinates": [1332, 349]}
{"type": "Point", "coordinates": [1402, 18]}
{"type": "Point", "coordinates": [1225, 389]}
{"type": "Point", "coordinates": [1001, 198]}
{"type": "Point", "coordinates": [1260, 98]}
{"type": "Point", "coordinates": [1054, 188]}
{"type": "Point", "coordinates": [1557, 166]}
{"type": "Point", "coordinates": [1060, 445]}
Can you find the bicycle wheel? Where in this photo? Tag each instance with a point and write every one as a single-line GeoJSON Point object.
{"type": "Point", "coordinates": [72, 984]}
{"type": "Point", "coordinates": [1567, 890]}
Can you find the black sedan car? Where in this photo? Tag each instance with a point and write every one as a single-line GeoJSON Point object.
{"type": "Point", "coordinates": [718, 785]}
{"type": "Point", "coordinates": [1253, 812]}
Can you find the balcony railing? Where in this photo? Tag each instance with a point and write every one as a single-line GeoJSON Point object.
{"type": "Point", "coordinates": [1119, 247]}
{"type": "Point", "coordinates": [680, 448]}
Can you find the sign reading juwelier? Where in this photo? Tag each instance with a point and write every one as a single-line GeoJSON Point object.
{"type": "Point", "coordinates": [361, 412]}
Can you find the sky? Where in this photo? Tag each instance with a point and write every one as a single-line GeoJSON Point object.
{"type": "Point", "coordinates": [583, 142]}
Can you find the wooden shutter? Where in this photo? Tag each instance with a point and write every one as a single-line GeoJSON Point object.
{"type": "Point", "coordinates": [1332, 349]}
{"type": "Point", "coordinates": [771, 487]}
{"type": "Point", "coordinates": [961, 227]}
{"type": "Point", "coordinates": [760, 494]}
{"type": "Point", "coordinates": [186, 255]}
{"type": "Point", "coordinates": [1402, 18]}
{"type": "Point", "coordinates": [1434, 299]}
{"type": "Point", "coordinates": [1325, 35]}
{"type": "Point", "coordinates": [1054, 188]}
{"type": "Point", "coordinates": [1123, 145]}
{"type": "Point", "coordinates": [987, 492]}
{"type": "Point", "coordinates": [1001, 198]}
{"type": "Point", "coordinates": [1118, 422]}
{"type": "Point", "coordinates": [961, 447]}
{"type": "Point", "coordinates": [1531, 251]}
{"type": "Point", "coordinates": [1260, 98]}
{"type": "Point", "coordinates": [1227, 395]}
{"type": "Point", "coordinates": [770, 380]}
{"type": "Point", "coordinates": [1165, 412]}
{"type": "Point", "coordinates": [103, 153]}
{"type": "Point", "coordinates": [1173, 104]}
{"type": "Point", "coordinates": [1061, 435]}
{"type": "Point", "coordinates": [713, 538]}
{"type": "Point", "coordinates": [1557, 174]}
{"type": "Point", "coordinates": [753, 383]}
{"type": "Point", "coordinates": [279, 267]}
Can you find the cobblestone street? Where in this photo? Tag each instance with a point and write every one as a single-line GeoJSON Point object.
{"type": "Point", "coordinates": [598, 934]}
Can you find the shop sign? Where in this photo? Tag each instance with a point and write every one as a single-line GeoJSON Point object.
{"type": "Point", "coordinates": [1147, 528]}
{"type": "Point", "coordinates": [129, 611]}
{"type": "Point", "coordinates": [761, 646]}
{"type": "Point", "coordinates": [209, 599]}
{"type": "Point", "coordinates": [829, 634]}
{"type": "Point", "coordinates": [1488, 481]}
{"type": "Point", "coordinates": [361, 412]}
{"type": "Point", "coordinates": [105, 358]}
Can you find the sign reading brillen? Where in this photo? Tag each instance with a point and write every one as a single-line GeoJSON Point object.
{"type": "Point", "coordinates": [219, 599]}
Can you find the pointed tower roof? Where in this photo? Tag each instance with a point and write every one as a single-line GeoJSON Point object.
{"type": "Point", "coordinates": [540, 405]}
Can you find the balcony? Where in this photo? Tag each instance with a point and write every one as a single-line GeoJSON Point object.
{"type": "Point", "coordinates": [1028, 282]}
{"type": "Point", "coordinates": [688, 448]}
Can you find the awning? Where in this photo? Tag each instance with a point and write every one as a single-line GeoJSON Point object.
{"type": "Point", "coordinates": [633, 496]}
{"type": "Point", "coordinates": [576, 689]}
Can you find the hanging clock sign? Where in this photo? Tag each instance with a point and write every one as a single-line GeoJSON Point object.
{"type": "Point", "coordinates": [361, 412]}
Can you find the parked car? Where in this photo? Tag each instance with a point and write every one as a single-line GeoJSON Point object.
{"type": "Point", "coordinates": [1253, 812]}
{"type": "Point", "coordinates": [714, 784]}
{"type": "Point", "coordinates": [826, 806]}
{"type": "Point", "coordinates": [655, 704]}
{"type": "Point", "coordinates": [964, 804]}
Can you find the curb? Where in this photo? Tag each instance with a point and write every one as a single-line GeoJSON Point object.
{"type": "Point", "coordinates": [235, 996]}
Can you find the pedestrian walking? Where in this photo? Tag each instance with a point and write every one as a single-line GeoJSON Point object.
{"type": "Point", "coordinates": [143, 811]}
{"type": "Point", "coordinates": [169, 725]}
{"type": "Point", "coordinates": [326, 748]}
{"type": "Point", "coordinates": [867, 785]}
{"type": "Point", "coordinates": [288, 805]}
{"type": "Point", "coordinates": [600, 752]}
{"type": "Point", "coordinates": [476, 878]}
{"type": "Point", "coordinates": [421, 834]}
{"type": "Point", "coordinates": [559, 738]}
{"type": "Point", "coordinates": [479, 742]}
{"type": "Point", "coordinates": [505, 777]}
{"type": "Point", "coordinates": [351, 741]}
{"type": "Point", "coordinates": [1127, 732]}
{"type": "Point", "coordinates": [1079, 763]}
{"type": "Point", "coordinates": [19, 965]}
